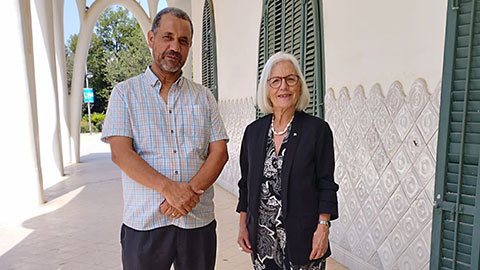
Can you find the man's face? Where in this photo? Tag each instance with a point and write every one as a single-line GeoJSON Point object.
{"type": "Point", "coordinates": [171, 43]}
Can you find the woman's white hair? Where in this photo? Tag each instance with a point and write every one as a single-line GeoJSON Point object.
{"type": "Point", "coordinates": [264, 103]}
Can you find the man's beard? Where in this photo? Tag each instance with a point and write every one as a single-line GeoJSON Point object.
{"type": "Point", "coordinates": [169, 66]}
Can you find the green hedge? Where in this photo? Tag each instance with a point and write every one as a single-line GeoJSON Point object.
{"type": "Point", "coordinates": [97, 122]}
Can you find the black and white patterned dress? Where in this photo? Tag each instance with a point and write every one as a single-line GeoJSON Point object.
{"type": "Point", "coordinates": [271, 237]}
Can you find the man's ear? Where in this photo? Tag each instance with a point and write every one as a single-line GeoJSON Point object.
{"type": "Point", "coordinates": [150, 37]}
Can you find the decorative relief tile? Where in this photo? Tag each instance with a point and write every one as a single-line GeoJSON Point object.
{"type": "Point", "coordinates": [353, 239]}
{"type": "Point", "coordinates": [405, 263]}
{"type": "Point", "coordinates": [362, 156]}
{"type": "Point", "coordinates": [372, 140]}
{"type": "Point", "coordinates": [380, 159]}
{"type": "Point", "coordinates": [430, 189]}
{"type": "Point", "coordinates": [382, 119]}
{"type": "Point", "coordinates": [353, 205]}
{"type": "Point", "coordinates": [417, 97]}
{"type": "Point", "coordinates": [348, 119]}
{"type": "Point", "coordinates": [349, 150]}
{"type": "Point", "coordinates": [422, 209]}
{"type": "Point", "coordinates": [340, 135]}
{"type": "Point", "coordinates": [399, 203]}
{"type": "Point", "coordinates": [378, 232]}
{"type": "Point", "coordinates": [364, 121]}
{"type": "Point", "coordinates": [414, 143]}
{"type": "Point", "coordinates": [354, 171]}
{"type": "Point", "coordinates": [330, 103]}
{"type": "Point", "coordinates": [368, 246]}
{"type": "Point", "coordinates": [369, 210]}
{"type": "Point", "coordinates": [409, 226]}
{"type": "Point", "coordinates": [340, 170]}
{"type": "Point", "coordinates": [379, 196]}
{"type": "Point", "coordinates": [386, 255]}
{"type": "Point", "coordinates": [371, 177]}
{"type": "Point", "coordinates": [358, 100]}
{"type": "Point", "coordinates": [410, 186]}
{"type": "Point", "coordinates": [375, 98]}
{"type": "Point", "coordinates": [361, 190]}
{"type": "Point", "coordinates": [418, 252]}
{"type": "Point", "coordinates": [357, 250]}
{"type": "Point", "coordinates": [343, 101]}
{"type": "Point", "coordinates": [395, 98]}
{"type": "Point", "coordinates": [376, 261]}
{"type": "Point", "coordinates": [391, 141]}
{"type": "Point", "coordinates": [388, 218]}
{"type": "Point", "coordinates": [345, 244]}
{"type": "Point", "coordinates": [401, 162]}
{"type": "Point", "coordinates": [403, 122]}
{"type": "Point", "coordinates": [427, 234]}
{"type": "Point", "coordinates": [424, 166]}
{"type": "Point", "coordinates": [360, 225]}
{"type": "Point", "coordinates": [427, 123]}
{"type": "Point", "coordinates": [437, 97]}
{"type": "Point", "coordinates": [432, 144]}
{"type": "Point", "coordinates": [389, 181]}
{"type": "Point", "coordinates": [397, 242]}
{"type": "Point", "coordinates": [357, 134]}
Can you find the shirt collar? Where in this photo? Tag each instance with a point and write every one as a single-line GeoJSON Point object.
{"type": "Point", "coordinates": [153, 80]}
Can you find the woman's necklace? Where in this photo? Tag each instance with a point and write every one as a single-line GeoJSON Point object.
{"type": "Point", "coordinates": [280, 133]}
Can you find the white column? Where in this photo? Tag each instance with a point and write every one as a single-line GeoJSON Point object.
{"type": "Point", "coordinates": [21, 183]}
{"type": "Point", "coordinates": [46, 90]}
{"type": "Point", "coordinates": [62, 80]}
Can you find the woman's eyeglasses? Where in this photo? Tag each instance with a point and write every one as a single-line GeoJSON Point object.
{"type": "Point", "coordinates": [276, 82]}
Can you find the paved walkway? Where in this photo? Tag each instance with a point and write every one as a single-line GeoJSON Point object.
{"type": "Point", "coordinates": [79, 226]}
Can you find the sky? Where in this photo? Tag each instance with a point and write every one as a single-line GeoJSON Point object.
{"type": "Point", "coordinates": [72, 21]}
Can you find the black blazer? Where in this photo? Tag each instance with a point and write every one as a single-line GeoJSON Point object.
{"type": "Point", "coordinates": [308, 187]}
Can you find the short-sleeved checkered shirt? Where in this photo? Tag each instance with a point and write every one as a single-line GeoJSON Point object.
{"type": "Point", "coordinates": [172, 137]}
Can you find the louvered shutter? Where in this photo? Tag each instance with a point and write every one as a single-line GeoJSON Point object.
{"type": "Point", "coordinates": [209, 49]}
{"type": "Point", "coordinates": [456, 219]}
{"type": "Point", "coordinates": [295, 27]}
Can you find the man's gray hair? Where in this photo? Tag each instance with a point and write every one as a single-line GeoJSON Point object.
{"type": "Point", "coordinates": [175, 12]}
{"type": "Point", "coordinates": [264, 103]}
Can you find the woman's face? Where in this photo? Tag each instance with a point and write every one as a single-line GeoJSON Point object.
{"type": "Point", "coordinates": [286, 95]}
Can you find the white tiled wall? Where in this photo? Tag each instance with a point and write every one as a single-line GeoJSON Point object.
{"type": "Point", "coordinates": [385, 151]}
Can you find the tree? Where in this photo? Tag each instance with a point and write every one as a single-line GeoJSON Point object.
{"type": "Point", "coordinates": [118, 51]}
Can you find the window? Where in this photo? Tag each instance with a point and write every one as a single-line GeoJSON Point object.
{"type": "Point", "coordinates": [456, 215]}
{"type": "Point", "coordinates": [209, 49]}
{"type": "Point", "coordinates": [295, 26]}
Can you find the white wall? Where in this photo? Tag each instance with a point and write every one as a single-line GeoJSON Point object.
{"type": "Point", "coordinates": [380, 41]}
{"type": "Point", "coordinates": [237, 27]}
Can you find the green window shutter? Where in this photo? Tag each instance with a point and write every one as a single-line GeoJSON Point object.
{"type": "Point", "coordinates": [295, 26]}
{"type": "Point", "coordinates": [456, 216]}
{"type": "Point", "coordinates": [209, 49]}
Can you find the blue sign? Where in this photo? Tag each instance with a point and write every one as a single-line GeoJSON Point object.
{"type": "Point", "coordinates": [88, 95]}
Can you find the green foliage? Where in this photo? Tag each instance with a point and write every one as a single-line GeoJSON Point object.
{"type": "Point", "coordinates": [118, 50]}
{"type": "Point", "coordinates": [97, 122]}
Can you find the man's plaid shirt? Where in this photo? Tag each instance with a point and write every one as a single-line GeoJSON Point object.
{"type": "Point", "coordinates": [172, 137]}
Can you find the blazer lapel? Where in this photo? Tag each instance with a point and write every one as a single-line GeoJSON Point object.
{"type": "Point", "coordinates": [293, 138]}
{"type": "Point", "coordinates": [258, 159]}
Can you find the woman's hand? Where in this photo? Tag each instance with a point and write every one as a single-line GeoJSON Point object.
{"type": "Point", "coordinates": [319, 242]}
{"type": "Point", "coordinates": [242, 240]}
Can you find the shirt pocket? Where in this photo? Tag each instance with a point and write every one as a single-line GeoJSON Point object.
{"type": "Point", "coordinates": [196, 128]}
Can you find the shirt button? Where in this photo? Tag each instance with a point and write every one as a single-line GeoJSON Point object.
{"type": "Point", "coordinates": [171, 131]}
{"type": "Point", "coordinates": [176, 172]}
{"type": "Point", "coordinates": [169, 111]}
{"type": "Point", "coordinates": [174, 151]}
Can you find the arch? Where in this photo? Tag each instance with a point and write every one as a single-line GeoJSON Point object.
{"type": "Point", "coordinates": [87, 24]}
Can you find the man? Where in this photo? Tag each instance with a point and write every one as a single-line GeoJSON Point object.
{"type": "Point", "coordinates": [166, 134]}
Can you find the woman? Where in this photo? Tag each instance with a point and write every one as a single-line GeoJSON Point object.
{"type": "Point", "coordinates": [287, 192]}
